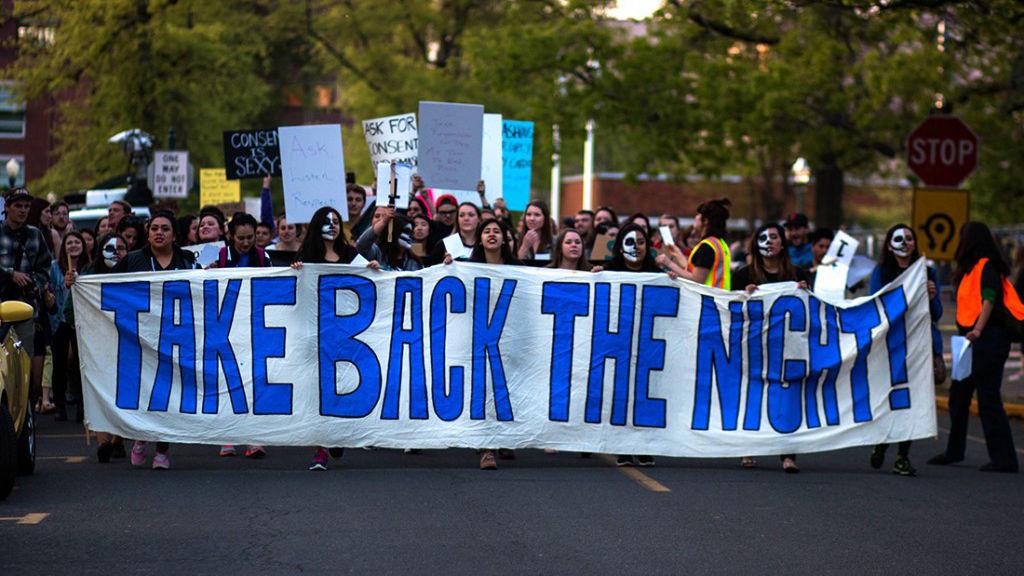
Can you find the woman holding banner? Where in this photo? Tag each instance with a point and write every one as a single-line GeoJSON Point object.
{"type": "Point", "coordinates": [158, 255]}
{"type": "Point", "coordinates": [325, 243]}
{"type": "Point", "coordinates": [898, 252]}
{"type": "Point", "coordinates": [988, 314]}
{"type": "Point", "coordinates": [391, 248]}
{"type": "Point", "coordinates": [466, 225]}
{"type": "Point", "coordinates": [769, 263]}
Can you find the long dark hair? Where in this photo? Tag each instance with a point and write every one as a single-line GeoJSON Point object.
{"type": "Point", "coordinates": [83, 259]}
{"type": "Point", "coordinates": [312, 250]}
{"type": "Point", "coordinates": [887, 260]}
{"type": "Point", "coordinates": [758, 275]}
{"type": "Point", "coordinates": [977, 242]}
{"type": "Point", "coordinates": [556, 251]}
{"type": "Point", "coordinates": [545, 232]}
{"type": "Point", "coordinates": [715, 214]}
{"type": "Point", "coordinates": [99, 266]}
{"type": "Point", "coordinates": [619, 261]}
{"type": "Point", "coordinates": [478, 255]}
{"type": "Point", "coordinates": [395, 251]}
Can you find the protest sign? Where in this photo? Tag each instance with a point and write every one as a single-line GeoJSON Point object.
{"type": "Point", "coordinates": [170, 174]}
{"type": "Point", "coordinates": [403, 190]}
{"type": "Point", "coordinates": [842, 249]}
{"type": "Point", "coordinates": [517, 160]}
{"type": "Point", "coordinates": [215, 188]}
{"type": "Point", "coordinates": [490, 163]}
{"type": "Point", "coordinates": [451, 140]}
{"type": "Point", "coordinates": [207, 253]}
{"type": "Point", "coordinates": [470, 355]}
{"type": "Point", "coordinates": [313, 170]}
{"type": "Point", "coordinates": [251, 154]}
{"type": "Point", "coordinates": [830, 279]}
{"type": "Point", "coordinates": [392, 138]}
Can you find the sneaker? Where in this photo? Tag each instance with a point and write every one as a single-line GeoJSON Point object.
{"type": "Point", "coordinates": [411, 451]}
{"type": "Point", "coordinates": [319, 460]}
{"type": "Point", "coordinates": [227, 450]}
{"type": "Point", "coordinates": [119, 451]}
{"type": "Point", "coordinates": [624, 460]}
{"type": "Point", "coordinates": [878, 456]}
{"type": "Point", "coordinates": [161, 461]}
{"type": "Point", "coordinates": [104, 451]}
{"type": "Point", "coordinates": [789, 466]}
{"type": "Point", "coordinates": [645, 461]}
{"type": "Point", "coordinates": [748, 462]}
{"type": "Point", "coordinates": [255, 452]}
{"type": "Point", "coordinates": [943, 460]}
{"type": "Point", "coordinates": [336, 453]}
{"type": "Point", "coordinates": [487, 461]}
{"type": "Point", "coordinates": [902, 467]}
{"type": "Point", "coordinates": [139, 453]}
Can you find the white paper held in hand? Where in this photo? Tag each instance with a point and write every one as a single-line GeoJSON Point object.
{"type": "Point", "coordinates": [962, 357]}
{"type": "Point", "coordinates": [454, 246]}
{"type": "Point", "coordinates": [666, 236]}
{"type": "Point", "coordinates": [359, 261]}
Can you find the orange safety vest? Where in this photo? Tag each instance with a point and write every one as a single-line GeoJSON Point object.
{"type": "Point", "coordinates": [968, 297]}
{"type": "Point", "coordinates": [720, 275]}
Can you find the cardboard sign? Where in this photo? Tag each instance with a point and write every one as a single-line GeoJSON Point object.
{"type": "Point", "coordinates": [313, 170]}
{"type": "Point", "coordinates": [602, 248]}
{"type": "Point", "coordinates": [170, 175]}
{"type": "Point", "coordinates": [517, 163]}
{"type": "Point", "coordinates": [491, 158]}
{"type": "Point", "coordinates": [392, 138]}
{"type": "Point", "coordinates": [451, 142]}
{"type": "Point", "coordinates": [251, 154]}
{"type": "Point", "coordinates": [215, 188]}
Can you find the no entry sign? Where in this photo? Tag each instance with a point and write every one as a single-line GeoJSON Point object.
{"type": "Point", "coordinates": [942, 151]}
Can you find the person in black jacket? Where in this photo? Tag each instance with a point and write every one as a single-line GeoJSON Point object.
{"type": "Point", "coordinates": [159, 254]}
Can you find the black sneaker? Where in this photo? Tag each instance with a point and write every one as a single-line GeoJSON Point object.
{"type": "Point", "coordinates": [645, 461]}
{"type": "Point", "coordinates": [119, 451]}
{"type": "Point", "coordinates": [104, 451]}
{"type": "Point", "coordinates": [943, 460]}
{"type": "Point", "coordinates": [902, 467]}
{"type": "Point", "coordinates": [878, 456]}
{"type": "Point", "coordinates": [624, 460]}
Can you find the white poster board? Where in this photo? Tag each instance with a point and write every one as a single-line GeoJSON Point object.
{"type": "Point", "coordinates": [392, 138]}
{"type": "Point", "coordinates": [313, 170]}
{"type": "Point", "coordinates": [491, 158]}
{"type": "Point", "coordinates": [170, 174]}
{"type": "Point", "coordinates": [403, 175]}
{"type": "Point", "coordinates": [831, 275]}
{"type": "Point", "coordinates": [450, 146]}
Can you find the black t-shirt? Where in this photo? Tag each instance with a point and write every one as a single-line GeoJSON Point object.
{"type": "Point", "coordinates": [703, 257]}
{"type": "Point", "coordinates": [742, 277]}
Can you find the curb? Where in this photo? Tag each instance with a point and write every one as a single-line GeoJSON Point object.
{"type": "Point", "coordinates": [1012, 410]}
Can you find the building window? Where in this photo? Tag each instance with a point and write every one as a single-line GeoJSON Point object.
{"type": "Point", "coordinates": [12, 112]}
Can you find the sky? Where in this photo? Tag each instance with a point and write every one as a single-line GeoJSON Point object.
{"type": "Point", "coordinates": [638, 9]}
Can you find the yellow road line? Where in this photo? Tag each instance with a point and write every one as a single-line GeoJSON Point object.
{"type": "Point", "coordinates": [977, 439]}
{"type": "Point", "coordinates": [638, 476]}
{"type": "Point", "coordinates": [32, 518]}
{"type": "Point", "coordinates": [67, 459]}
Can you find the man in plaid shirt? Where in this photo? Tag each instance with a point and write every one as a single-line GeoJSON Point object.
{"type": "Point", "coordinates": [24, 262]}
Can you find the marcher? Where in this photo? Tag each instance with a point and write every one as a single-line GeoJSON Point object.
{"type": "Point", "coordinates": [211, 227]}
{"type": "Point", "coordinates": [468, 219]}
{"type": "Point", "coordinates": [769, 263]}
{"type": "Point", "coordinates": [988, 313]}
{"type": "Point", "coordinates": [797, 228]}
{"type": "Point", "coordinates": [899, 251]}
{"type": "Point", "coordinates": [159, 254]}
{"type": "Point", "coordinates": [325, 243]}
{"type": "Point", "coordinates": [569, 252]}
{"type": "Point", "coordinates": [710, 263]}
{"type": "Point", "coordinates": [391, 253]}
{"type": "Point", "coordinates": [67, 376]}
{"type": "Point", "coordinates": [287, 237]}
{"type": "Point", "coordinates": [117, 210]}
{"type": "Point", "coordinates": [535, 241]}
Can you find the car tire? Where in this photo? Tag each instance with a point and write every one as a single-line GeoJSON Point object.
{"type": "Point", "coordinates": [27, 444]}
{"type": "Point", "coordinates": [8, 452]}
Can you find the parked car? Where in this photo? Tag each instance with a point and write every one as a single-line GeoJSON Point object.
{"type": "Point", "coordinates": [17, 418]}
{"type": "Point", "coordinates": [96, 204]}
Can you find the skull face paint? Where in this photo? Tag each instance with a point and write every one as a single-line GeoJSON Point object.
{"type": "Point", "coordinates": [629, 249]}
{"type": "Point", "coordinates": [767, 243]}
{"type": "Point", "coordinates": [110, 255]}
{"type": "Point", "coordinates": [900, 242]}
{"type": "Point", "coordinates": [327, 230]}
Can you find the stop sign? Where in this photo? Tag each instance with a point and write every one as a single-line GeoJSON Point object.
{"type": "Point", "coordinates": [942, 151]}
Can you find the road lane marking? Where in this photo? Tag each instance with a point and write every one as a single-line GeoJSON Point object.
{"type": "Point", "coordinates": [66, 459]}
{"type": "Point", "coordinates": [977, 439]}
{"type": "Point", "coordinates": [637, 476]}
{"type": "Point", "coordinates": [31, 518]}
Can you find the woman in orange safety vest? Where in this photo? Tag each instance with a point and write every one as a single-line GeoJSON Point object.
{"type": "Point", "coordinates": [710, 262]}
{"type": "Point", "coordinates": [988, 313]}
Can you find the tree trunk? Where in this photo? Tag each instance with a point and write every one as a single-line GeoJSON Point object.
{"type": "Point", "coordinates": [828, 196]}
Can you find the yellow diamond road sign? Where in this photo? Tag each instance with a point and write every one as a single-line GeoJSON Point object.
{"type": "Point", "coordinates": [938, 216]}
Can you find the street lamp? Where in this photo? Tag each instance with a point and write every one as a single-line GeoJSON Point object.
{"type": "Point", "coordinates": [801, 172]}
{"type": "Point", "coordinates": [13, 168]}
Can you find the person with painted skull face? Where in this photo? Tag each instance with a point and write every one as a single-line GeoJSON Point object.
{"type": "Point", "coordinates": [112, 249]}
{"type": "Point", "coordinates": [769, 263]}
{"type": "Point", "coordinates": [899, 251]}
{"type": "Point", "coordinates": [394, 253]}
{"type": "Point", "coordinates": [325, 243]}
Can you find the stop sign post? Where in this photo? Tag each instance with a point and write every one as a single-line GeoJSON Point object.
{"type": "Point", "coordinates": [942, 151]}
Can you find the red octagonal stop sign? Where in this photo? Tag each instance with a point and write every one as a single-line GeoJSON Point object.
{"type": "Point", "coordinates": [942, 151]}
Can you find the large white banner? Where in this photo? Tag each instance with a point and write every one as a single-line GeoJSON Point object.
{"type": "Point", "coordinates": [471, 355]}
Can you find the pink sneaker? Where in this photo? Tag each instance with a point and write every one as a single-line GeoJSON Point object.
{"type": "Point", "coordinates": [139, 454]}
{"type": "Point", "coordinates": [227, 450]}
{"type": "Point", "coordinates": [255, 451]}
{"type": "Point", "coordinates": [161, 461]}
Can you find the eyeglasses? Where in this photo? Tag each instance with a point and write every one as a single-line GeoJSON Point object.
{"type": "Point", "coordinates": [446, 212]}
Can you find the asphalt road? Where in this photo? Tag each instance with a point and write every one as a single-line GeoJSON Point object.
{"type": "Point", "coordinates": [384, 512]}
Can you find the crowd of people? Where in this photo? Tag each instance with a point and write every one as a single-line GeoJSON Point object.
{"type": "Point", "coordinates": [42, 254]}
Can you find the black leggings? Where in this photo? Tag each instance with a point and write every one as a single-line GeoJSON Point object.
{"type": "Point", "coordinates": [67, 374]}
